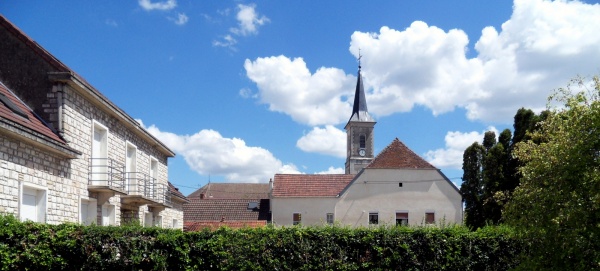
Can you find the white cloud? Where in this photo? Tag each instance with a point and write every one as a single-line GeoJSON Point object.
{"type": "Point", "coordinates": [180, 20]}
{"type": "Point", "coordinates": [207, 152]}
{"type": "Point", "coordinates": [541, 47]}
{"type": "Point", "coordinates": [248, 20]}
{"type": "Point", "coordinates": [111, 22]}
{"type": "Point", "coordinates": [247, 93]}
{"type": "Point", "coordinates": [456, 143]}
{"type": "Point", "coordinates": [226, 41]}
{"type": "Point", "coordinates": [149, 5]}
{"type": "Point", "coordinates": [287, 86]}
{"type": "Point", "coordinates": [328, 141]}
{"type": "Point", "coordinates": [332, 170]}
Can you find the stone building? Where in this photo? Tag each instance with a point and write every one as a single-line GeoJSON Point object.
{"type": "Point", "coordinates": [68, 154]}
{"type": "Point", "coordinates": [394, 187]}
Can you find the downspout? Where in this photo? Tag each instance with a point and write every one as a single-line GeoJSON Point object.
{"type": "Point", "coordinates": [59, 88]}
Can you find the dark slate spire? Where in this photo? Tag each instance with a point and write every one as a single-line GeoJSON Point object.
{"type": "Point", "coordinates": [359, 110]}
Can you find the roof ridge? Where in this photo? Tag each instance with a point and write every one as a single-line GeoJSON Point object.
{"type": "Point", "coordinates": [398, 155]}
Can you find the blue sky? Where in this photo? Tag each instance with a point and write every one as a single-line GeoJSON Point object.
{"type": "Point", "coordinates": [241, 90]}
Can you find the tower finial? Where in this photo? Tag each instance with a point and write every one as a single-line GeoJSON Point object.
{"type": "Point", "coordinates": [359, 57]}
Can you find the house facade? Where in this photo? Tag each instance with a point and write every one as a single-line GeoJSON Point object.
{"type": "Point", "coordinates": [74, 156]}
{"type": "Point", "coordinates": [396, 187]}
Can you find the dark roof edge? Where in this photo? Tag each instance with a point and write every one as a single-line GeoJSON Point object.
{"type": "Point", "coordinates": [448, 180]}
{"type": "Point", "coordinates": [351, 183]}
{"type": "Point", "coordinates": [29, 136]}
{"type": "Point", "coordinates": [78, 83]}
{"type": "Point", "coordinates": [72, 76]}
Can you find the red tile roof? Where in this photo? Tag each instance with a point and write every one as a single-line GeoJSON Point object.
{"type": "Point", "coordinates": [213, 225]}
{"type": "Point", "coordinates": [307, 185]}
{"type": "Point", "coordinates": [398, 155]}
{"type": "Point", "coordinates": [31, 122]}
{"type": "Point", "coordinates": [227, 209]}
{"type": "Point", "coordinates": [29, 127]}
{"type": "Point", "coordinates": [232, 191]}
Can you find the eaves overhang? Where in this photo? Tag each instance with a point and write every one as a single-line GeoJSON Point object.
{"type": "Point", "coordinates": [26, 135]}
{"type": "Point", "coordinates": [93, 95]}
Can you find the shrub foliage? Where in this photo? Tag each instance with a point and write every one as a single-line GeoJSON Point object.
{"type": "Point", "coordinates": [31, 246]}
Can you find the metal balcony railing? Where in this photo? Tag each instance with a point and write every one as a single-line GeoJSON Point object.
{"type": "Point", "coordinates": [142, 184]}
{"type": "Point", "coordinates": [162, 194]}
{"type": "Point", "coordinates": [106, 172]}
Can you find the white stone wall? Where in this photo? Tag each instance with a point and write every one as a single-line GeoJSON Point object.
{"type": "Point", "coordinates": [79, 116]}
{"type": "Point", "coordinates": [23, 164]}
{"type": "Point", "coordinates": [66, 180]}
{"type": "Point", "coordinates": [169, 214]}
{"type": "Point", "coordinates": [378, 190]}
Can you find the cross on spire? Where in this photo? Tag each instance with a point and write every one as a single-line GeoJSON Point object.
{"type": "Point", "coordinates": [359, 57]}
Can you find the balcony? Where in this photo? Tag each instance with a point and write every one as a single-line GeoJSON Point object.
{"type": "Point", "coordinates": [106, 176]}
{"type": "Point", "coordinates": [143, 189]}
{"type": "Point", "coordinates": [161, 197]}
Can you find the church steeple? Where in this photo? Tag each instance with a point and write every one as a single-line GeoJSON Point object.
{"type": "Point", "coordinates": [359, 130]}
{"type": "Point", "coordinates": [359, 110]}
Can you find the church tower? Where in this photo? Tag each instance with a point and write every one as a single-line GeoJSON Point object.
{"type": "Point", "coordinates": [359, 131]}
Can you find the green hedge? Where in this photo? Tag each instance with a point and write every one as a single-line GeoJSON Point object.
{"type": "Point", "coordinates": [32, 246]}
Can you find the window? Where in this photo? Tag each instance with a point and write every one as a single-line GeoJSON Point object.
{"type": "Point", "coordinates": [297, 218]}
{"type": "Point", "coordinates": [87, 212]}
{"type": "Point", "coordinates": [33, 203]}
{"type": "Point", "coordinates": [429, 218]}
{"type": "Point", "coordinates": [108, 215]}
{"type": "Point", "coordinates": [373, 218]}
{"type": "Point", "coordinates": [12, 106]}
{"type": "Point", "coordinates": [99, 155]}
{"type": "Point", "coordinates": [153, 176]}
{"type": "Point", "coordinates": [402, 218]}
{"type": "Point", "coordinates": [131, 169]}
{"type": "Point", "coordinates": [148, 220]}
{"type": "Point", "coordinates": [330, 218]}
{"type": "Point", "coordinates": [175, 224]}
{"type": "Point", "coordinates": [158, 221]}
{"type": "Point", "coordinates": [362, 141]}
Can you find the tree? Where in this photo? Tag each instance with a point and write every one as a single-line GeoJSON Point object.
{"type": "Point", "coordinates": [557, 204]}
{"type": "Point", "coordinates": [472, 186]}
{"type": "Point", "coordinates": [496, 171]}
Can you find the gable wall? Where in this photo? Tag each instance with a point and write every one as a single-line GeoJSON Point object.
{"type": "Point", "coordinates": [377, 190]}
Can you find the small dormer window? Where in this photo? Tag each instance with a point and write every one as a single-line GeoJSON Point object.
{"type": "Point", "coordinates": [12, 106]}
{"type": "Point", "coordinates": [252, 205]}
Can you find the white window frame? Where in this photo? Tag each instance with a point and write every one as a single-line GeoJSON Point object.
{"type": "Point", "coordinates": [131, 170]}
{"type": "Point", "coordinates": [148, 219]}
{"type": "Point", "coordinates": [92, 211]}
{"type": "Point", "coordinates": [294, 221]}
{"type": "Point", "coordinates": [407, 216]}
{"type": "Point", "coordinates": [153, 176]}
{"type": "Point", "coordinates": [328, 216]}
{"type": "Point", "coordinates": [369, 217]}
{"type": "Point", "coordinates": [108, 215]}
{"type": "Point", "coordinates": [99, 175]}
{"type": "Point", "coordinates": [41, 200]}
{"type": "Point", "coordinates": [425, 217]}
{"type": "Point", "coordinates": [158, 221]}
{"type": "Point", "coordinates": [175, 224]}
